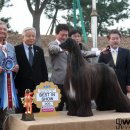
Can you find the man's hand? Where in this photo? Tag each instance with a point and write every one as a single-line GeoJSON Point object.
{"type": "Point", "coordinates": [105, 50]}
{"type": "Point", "coordinates": [128, 89]}
{"type": "Point", "coordinates": [16, 68]}
{"type": "Point", "coordinates": [1, 69]}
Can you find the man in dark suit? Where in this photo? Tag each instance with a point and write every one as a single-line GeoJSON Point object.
{"type": "Point", "coordinates": [119, 59]}
{"type": "Point", "coordinates": [32, 66]}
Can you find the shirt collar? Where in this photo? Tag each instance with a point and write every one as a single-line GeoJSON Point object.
{"type": "Point", "coordinates": [58, 41]}
{"type": "Point", "coordinates": [5, 44]}
{"type": "Point", "coordinates": [26, 46]}
{"type": "Point", "coordinates": [114, 49]}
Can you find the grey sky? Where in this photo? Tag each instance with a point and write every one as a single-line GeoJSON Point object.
{"type": "Point", "coordinates": [22, 18]}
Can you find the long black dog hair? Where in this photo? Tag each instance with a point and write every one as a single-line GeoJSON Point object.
{"type": "Point", "coordinates": [85, 81]}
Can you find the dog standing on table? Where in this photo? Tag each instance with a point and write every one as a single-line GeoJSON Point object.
{"type": "Point", "coordinates": [85, 81]}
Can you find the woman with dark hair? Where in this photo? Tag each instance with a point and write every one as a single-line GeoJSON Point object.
{"type": "Point", "coordinates": [77, 36]}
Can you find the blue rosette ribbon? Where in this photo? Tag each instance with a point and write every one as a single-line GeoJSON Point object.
{"type": "Point", "coordinates": [8, 96]}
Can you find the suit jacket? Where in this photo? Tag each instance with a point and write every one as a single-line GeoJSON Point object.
{"type": "Point", "coordinates": [11, 53]}
{"type": "Point", "coordinates": [59, 62]}
{"type": "Point", "coordinates": [122, 67]}
{"type": "Point", "coordinates": [29, 76]}
{"type": "Point", "coordinates": [87, 54]}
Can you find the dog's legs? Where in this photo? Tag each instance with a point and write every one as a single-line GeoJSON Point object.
{"type": "Point", "coordinates": [123, 104]}
{"type": "Point", "coordinates": [104, 104]}
{"type": "Point", "coordinates": [84, 109]}
{"type": "Point", "coordinates": [121, 100]}
{"type": "Point", "coordinates": [111, 96]}
{"type": "Point", "coordinates": [71, 107]}
{"type": "Point", "coordinates": [104, 101]}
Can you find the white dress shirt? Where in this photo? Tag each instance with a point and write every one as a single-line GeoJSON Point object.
{"type": "Point", "coordinates": [27, 50]}
{"type": "Point", "coordinates": [59, 44]}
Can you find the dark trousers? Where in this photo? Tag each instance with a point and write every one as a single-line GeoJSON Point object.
{"type": "Point", "coordinates": [2, 118]}
{"type": "Point", "coordinates": [63, 98]}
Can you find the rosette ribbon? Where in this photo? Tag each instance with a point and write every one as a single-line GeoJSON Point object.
{"type": "Point", "coordinates": [8, 97]}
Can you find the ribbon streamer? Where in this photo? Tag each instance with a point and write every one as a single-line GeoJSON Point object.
{"type": "Point", "coordinates": [9, 96]}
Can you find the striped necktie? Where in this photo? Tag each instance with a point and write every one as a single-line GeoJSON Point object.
{"type": "Point", "coordinates": [30, 55]}
{"type": "Point", "coordinates": [114, 54]}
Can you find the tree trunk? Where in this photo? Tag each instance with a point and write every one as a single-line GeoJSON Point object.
{"type": "Point", "coordinates": [52, 27]}
{"type": "Point", "coordinates": [36, 25]}
{"type": "Point", "coordinates": [54, 21]}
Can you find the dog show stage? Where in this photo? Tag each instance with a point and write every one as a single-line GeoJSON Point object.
{"type": "Point", "coordinates": [102, 120]}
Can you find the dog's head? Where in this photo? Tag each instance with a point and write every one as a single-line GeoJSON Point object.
{"type": "Point", "coordinates": [68, 44]}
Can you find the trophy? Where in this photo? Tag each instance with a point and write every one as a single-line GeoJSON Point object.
{"type": "Point", "coordinates": [27, 101]}
{"type": "Point", "coordinates": [47, 97]}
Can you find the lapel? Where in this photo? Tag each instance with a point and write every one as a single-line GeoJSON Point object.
{"type": "Point", "coordinates": [112, 60]}
{"type": "Point", "coordinates": [9, 51]}
{"type": "Point", "coordinates": [23, 53]}
{"type": "Point", "coordinates": [36, 54]}
{"type": "Point", "coordinates": [109, 59]}
{"type": "Point", "coordinates": [2, 55]}
{"type": "Point", "coordinates": [65, 52]}
{"type": "Point", "coordinates": [119, 55]}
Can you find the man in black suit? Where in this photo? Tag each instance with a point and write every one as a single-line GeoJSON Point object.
{"type": "Point", "coordinates": [119, 59]}
{"type": "Point", "coordinates": [32, 66]}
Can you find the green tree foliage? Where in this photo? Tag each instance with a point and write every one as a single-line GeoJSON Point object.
{"type": "Point", "coordinates": [1, 4]}
{"type": "Point", "coordinates": [109, 12]}
{"type": "Point", "coordinates": [5, 3]}
{"type": "Point", "coordinates": [52, 9]}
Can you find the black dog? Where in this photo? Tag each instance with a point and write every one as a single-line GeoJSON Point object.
{"type": "Point", "coordinates": [85, 82]}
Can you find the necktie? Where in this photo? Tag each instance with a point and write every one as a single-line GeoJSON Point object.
{"type": "Point", "coordinates": [30, 55]}
{"type": "Point", "coordinates": [114, 54]}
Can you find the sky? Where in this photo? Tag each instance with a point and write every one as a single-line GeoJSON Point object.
{"type": "Point", "coordinates": [21, 18]}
